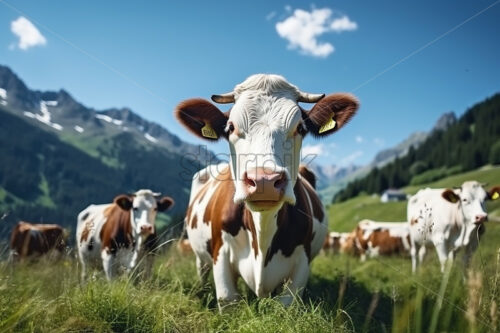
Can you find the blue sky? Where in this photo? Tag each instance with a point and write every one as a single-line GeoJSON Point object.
{"type": "Point", "coordinates": [151, 55]}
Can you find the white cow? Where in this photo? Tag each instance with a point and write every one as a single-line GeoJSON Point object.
{"type": "Point", "coordinates": [259, 217]}
{"type": "Point", "coordinates": [448, 219]}
{"type": "Point", "coordinates": [120, 233]}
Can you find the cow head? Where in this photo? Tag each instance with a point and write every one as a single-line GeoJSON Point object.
{"type": "Point", "coordinates": [265, 128]}
{"type": "Point", "coordinates": [471, 197]}
{"type": "Point", "coordinates": [143, 206]}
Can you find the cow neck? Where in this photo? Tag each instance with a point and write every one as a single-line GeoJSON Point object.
{"type": "Point", "coordinates": [459, 223]}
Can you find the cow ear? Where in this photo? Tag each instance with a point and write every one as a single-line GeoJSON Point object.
{"type": "Point", "coordinates": [123, 201]}
{"type": "Point", "coordinates": [202, 118]}
{"type": "Point", "coordinates": [494, 193]}
{"type": "Point", "coordinates": [450, 196]}
{"type": "Point", "coordinates": [164, 204]}
{"type": "Point", "coordinates": [330, 114]}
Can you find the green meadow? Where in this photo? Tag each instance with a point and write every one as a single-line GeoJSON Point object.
{"type": "Point", "coordinates": [343, 294]}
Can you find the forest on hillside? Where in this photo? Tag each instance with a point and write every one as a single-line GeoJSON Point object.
{"type": "Point", "coordinates": [473, 141]}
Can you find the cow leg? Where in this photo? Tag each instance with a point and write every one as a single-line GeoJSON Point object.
{"type": "Point", "coordinates": [108, 264]}
{"type": "Point", "coordinates": [202, 270]}
{"type": "Point", "coordinates": [413, 252]}
{"type": "Point", "coordinates": [296, 284]}
{"type": "Point", "coordinates": [225, 281]}
{"type": "Point", "coordinates": [443, 254]}
{"type": "Point", "coordinates": [421, 254]}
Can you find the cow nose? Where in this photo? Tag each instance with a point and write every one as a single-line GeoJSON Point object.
{"type": "Point", "coordinates": [481, 218]}
{"type": "Point", "coordinates": [147, 229]}
{"type": "Point", "coordinates": [264, 184]}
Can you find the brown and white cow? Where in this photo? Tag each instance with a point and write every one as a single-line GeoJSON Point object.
{"type": "Point", "coordinates": [29, 239]}
{"type": "Point", "coordinates": [120, 234]}
{"type": "Point", "coordinates": [448, 219]}
{"type": "Point", "coordinates": [258, 217]}
{"type": "Point", "coordinates": [336, 242]}
{"type": "Point", "coordinates": [374, 239]}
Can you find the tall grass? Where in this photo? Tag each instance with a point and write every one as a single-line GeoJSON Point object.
{"type": "Point", "coordinates": [343, 294]}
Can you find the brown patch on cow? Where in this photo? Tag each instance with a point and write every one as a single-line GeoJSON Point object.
{"type": "Point", "coordinates": [86, 230]}
{"type": "Point", "coordinates": [317, 206]}
{"type": "Point", "coordinates": [223, 214]}
{"type": "Point", "coordinates": [193, 221]}
{"type": "Point", "coordinates": [381, 239]}
{"type": "Point", "coordinates": [413, 221]}
{"type": "Point", "coordinates": [117, 230]}
{"type": "Point", "coordinates": [209, 247]}
{"type": "Point", "coordinates": [36, 239]}
{"type": "Point", "coordinates": [294, 226]}
{"type": "Point", "coordinates": [306, 173]}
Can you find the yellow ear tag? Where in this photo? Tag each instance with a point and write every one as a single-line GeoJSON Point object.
{"type": "Point", "coordinates": [495, 196]}
{"type": "Point", "coordinates": [328, 126]}
{"type": "Point", "coordinates": [208, 132]}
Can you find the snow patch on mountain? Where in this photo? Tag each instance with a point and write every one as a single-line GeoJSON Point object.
{"type": "Point", "coordinates": [150, 138]}
{"type": "Point", "coordinates": [45, 116]}
{"type": "Point", "coordinates": [108, 119]}
{"type": "Point", "coordinates": [3, 96]}
{"type": "Point", "coordinates": [79, 129]}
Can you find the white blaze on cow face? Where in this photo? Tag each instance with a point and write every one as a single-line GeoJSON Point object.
{"type": "Point", "coordinates": [263, 138]}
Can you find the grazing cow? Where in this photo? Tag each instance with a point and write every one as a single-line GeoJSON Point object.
{"type": "Point", "coordinates": [35, 239]}
{"type": "Point", "coordinates": [381, 238]}
{"type": "Point", "coordinates": [121, 233]}
{"type": "Point", "coordinates": [258, 217]}
{"type": "Point", "coordinates": [448, 219]}
{"type": "Point", "coordinates": [336, 242]}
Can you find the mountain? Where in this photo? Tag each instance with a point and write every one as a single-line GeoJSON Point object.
{"type": "Point", "coordinates": [58, 156]}
{"type": "Point", "coordinates": [414, 140]}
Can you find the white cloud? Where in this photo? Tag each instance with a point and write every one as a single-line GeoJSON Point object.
{"type": "Point", "coordinates": [314, 150]}
{"type": "Point", "coordinates": [359, 139]}
{"type": "Point", "coordinates": [349, 159]}
{"type": "Point", "coordinates": [28, 34]}
{"type": "Point", "coordinates": [270, 16]}
{"type": "Point", "coordinates": [303, 28]}
{"type": "Point", "coordinates": [343, 24]}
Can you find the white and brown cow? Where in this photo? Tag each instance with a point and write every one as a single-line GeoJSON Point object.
{"type": "Point", "coordinates": [373, 238]}
{"type": "Point", "coordinates": [120, 234]}
{"type": "Point", "coordinates": [448, 219]}
{"type": "Point", "coordinates": [337, 242]}
{"type": "Point", "coordinates": [258, 217]}
{"type": "Point", "coordinates": [28, 239]}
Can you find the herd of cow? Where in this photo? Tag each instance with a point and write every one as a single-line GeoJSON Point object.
{"type": "Point", "coordinates": [448, 219]}
{"type": "Point", "coordinates": [259, 217]}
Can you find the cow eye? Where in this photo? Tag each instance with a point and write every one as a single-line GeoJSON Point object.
{"type": "Point", "coordinates": [135, 209]}
{"type": "Point", "coordinates": [230, 128]}
{"type": "Point", "coordinates": [301, 130]}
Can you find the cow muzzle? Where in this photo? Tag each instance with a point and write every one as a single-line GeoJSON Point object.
{"type": "Point", "coordinates": [264, 187]}
{"type": "Point", "coordinates": [147, 229]}
{"type": "Point", "coordinates": [481, 218]}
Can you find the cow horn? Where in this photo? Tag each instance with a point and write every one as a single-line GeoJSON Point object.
{"type": "Point", "coordinates": [309, 98]}
{"type": "Point", "coordinates": [224, 98]}
{"type": "Point", "coordinates": [156, 194]}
